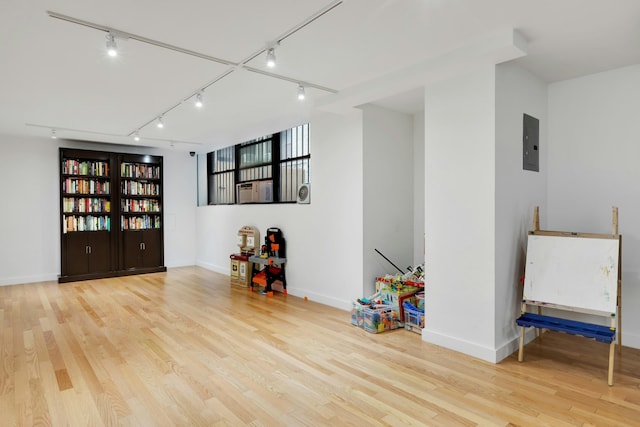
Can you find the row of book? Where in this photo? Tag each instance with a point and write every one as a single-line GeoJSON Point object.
{"type": "Point", "coordinates": [136, 170]}
{"type": "Point", "coordinates": [135, 188]}
{"type": "Point", "coordinates": [85, 167]}
{"type": "Point", "coordinates": [88, 204]}
{"type": "Point", "coordinates": [85, 223]}
{"type": "Point", "coordinates": [140, 222]}
{"type": "Point", "coordinates": [85, 186]}
{"type": "Point", "coordinates": [144, 205]}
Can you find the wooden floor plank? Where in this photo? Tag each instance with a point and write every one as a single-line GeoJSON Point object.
{"type": "Point", "coordinates": [186, 348]}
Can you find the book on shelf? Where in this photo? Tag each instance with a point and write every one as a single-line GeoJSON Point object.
{"type": "Point", "coordinates": [144, 222]}
{"type": "Point", "coordinates": [139, 171]}
{"type": "Point", "coordinates": [85, 167]}
{"type": "Point", "coordinates": [72, 223]}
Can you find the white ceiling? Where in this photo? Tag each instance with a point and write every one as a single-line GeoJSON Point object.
{"type": "Point", "coordinates": [56, 74]}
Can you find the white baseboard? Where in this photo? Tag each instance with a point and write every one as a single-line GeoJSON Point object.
{"type": "Point", "coordinates": [320, 298]}
{"type": "Point", "coordinates": [218, 269]}
{"type": "Point", "coordinates": [492, 355]}
{"type": "Point", "coordinates": [7, 281]}
{"type": "Point", "coordinates": [179, 263]}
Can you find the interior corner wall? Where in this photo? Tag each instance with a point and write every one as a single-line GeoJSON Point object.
{"type": "Point", "coordinates": [29, 218]}
{"type": "Point", "coordinates": [180, 197]}
{"type": "Point", "coordinates": [418, 189]}
{"type": "Point", "coordinates": [388, 193]}
{"type": "Point", "coordinates": [30, 245]}
{"type": "Point", "coordinates": [593, 165]}
{"type": "Point", "coordinates": [518, 191]}
{"type": "Point", "coordinates": [323, 238]}
{"type": "Point", "coordinates": [460, 213]}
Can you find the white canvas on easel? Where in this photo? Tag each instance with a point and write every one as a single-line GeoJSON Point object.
{"type": "Point", "coordinates": [576, 272]}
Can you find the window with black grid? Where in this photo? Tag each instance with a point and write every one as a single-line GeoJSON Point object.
{"type": "Point", "coordinates": [295, 159]}
{"type": "Point", "coordinates": [222, 167]}
{"type": "Point", "coordinates": [283, 158]}
{"type": "Point", "coordinates": [256, 159]}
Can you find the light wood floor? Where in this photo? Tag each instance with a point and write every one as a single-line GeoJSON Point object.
{"type": "Point", "coordinates": [184, 348]}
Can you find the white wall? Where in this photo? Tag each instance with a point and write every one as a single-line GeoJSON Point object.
{"type": "Point", "coordinates": [180, 201]}
{"type": "Point", "coordinates": [388, 192]}
{"type": "Point", "coordinates": [593, 165]}
{"type": "Point", "coordinates": [324, 239]}
{"type": "Point", "coordinates": [30, 233]}
{"type": "Point", "coordinates": [460, 213]}
{"type": "Point", "coordinates": [517, 193]}
{"type": "Point", "coordinates": [30, 216]}
{"type": "Point", "coordinates": [418, 189]}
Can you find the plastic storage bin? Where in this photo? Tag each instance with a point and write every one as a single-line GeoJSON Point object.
{"type": "Point", "coordinates": [380, 319]}
{"type": "Point", "coordinates": [413, 318]}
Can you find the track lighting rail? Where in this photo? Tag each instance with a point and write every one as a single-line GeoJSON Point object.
{"type": "Point", "coordinates": [125, 35]}
{"type": "Point", "coordinates": [233, 66]}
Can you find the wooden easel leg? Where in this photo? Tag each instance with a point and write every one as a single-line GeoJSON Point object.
{"type": "Point", "coordinates": [521, 350]}
{"type": "Point", "coordinates": [539, 331]}
{"type": "Point", "coordinates": [619, 317]}
{"type": "Point", "coordinates": [612, 353]}
{"type": "Point", "coordinates": [615, 231]}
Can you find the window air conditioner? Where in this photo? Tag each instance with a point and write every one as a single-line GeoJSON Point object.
{"type": "Point", "coordinates": [254, 192]}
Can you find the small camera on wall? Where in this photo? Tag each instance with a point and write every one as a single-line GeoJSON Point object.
{"type": "Point", "coordinates": [192, 153]}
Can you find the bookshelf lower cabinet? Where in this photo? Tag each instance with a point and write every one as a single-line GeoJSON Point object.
{"type": "Point", "coordinates": [141, 249]}
{"type": "Point", "coordinates": [87, 253]}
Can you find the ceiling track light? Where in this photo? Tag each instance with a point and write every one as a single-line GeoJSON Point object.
{"type": "Point", "coordinates": [53, 134]}
{"type": "Point", "coordinates": [113, 33]}
{"type": "Point", "coordinates": [112, 47]}
{"type": "Point", "coordinates": [136, 136]}
{"type": "Point", "coordinates": [271, 57]}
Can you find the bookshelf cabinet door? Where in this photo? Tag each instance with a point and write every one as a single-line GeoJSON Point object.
{"type": "Point", "coordinates": [87, 252]}
{"type": "Point", "coordinates": [152, 254]}
{"type": "Point", "coordinates": [99, 257]}
{"type": "Point", "coordinates": [132, 249]}
{"type": "Point", "coordinates": [76, 257]}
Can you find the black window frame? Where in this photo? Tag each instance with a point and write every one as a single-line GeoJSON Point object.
{"type": "Point", "coordinates": [275, 164]}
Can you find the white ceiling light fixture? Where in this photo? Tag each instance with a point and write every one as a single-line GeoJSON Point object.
{"type": "Point", "coordinates": [53, 134]}
{"type": "Point", "coordinates": [271, 57]}
{"type": "Point", "coordinates": [112, 47]}
{"type": "Point", "coordinates": [136, 136]}
{"type": "Point", "coordinates": [301, 94]}
{"type": "Point", "coordinates": [199, 103]}
{"type": "Point", "coordinates": [160, 123]}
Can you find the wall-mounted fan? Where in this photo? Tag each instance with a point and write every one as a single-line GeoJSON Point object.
{"type": "Point", "coordinates": [304, 193]}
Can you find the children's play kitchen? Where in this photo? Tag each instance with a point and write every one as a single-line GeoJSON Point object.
{"type": "Point", "coordinates": [260, 265]}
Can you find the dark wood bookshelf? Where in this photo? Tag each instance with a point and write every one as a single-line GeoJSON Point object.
{"type": "Point", "coordinates": [105, 230]}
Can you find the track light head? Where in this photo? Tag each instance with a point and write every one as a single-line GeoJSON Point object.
{"type": "Point", "coordinates": [112, 47]}
{"type": "Point", "coordinates": [160, 123]}
{"type": "Point", "coordinates": [199, 103]}
{"type": "Point", "coordinates": [136, 136]}
{"type": "Point", "coordinates": [301, 94]}
{"type": "Point", "coordinates": [271, 57]}
{"type": "Point", "coordinates": [53, 134]}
